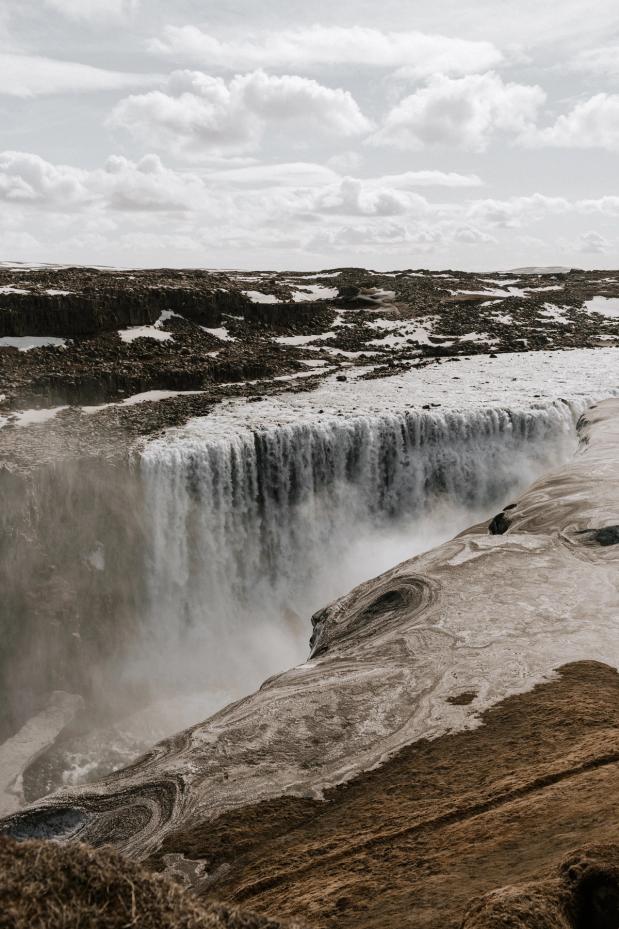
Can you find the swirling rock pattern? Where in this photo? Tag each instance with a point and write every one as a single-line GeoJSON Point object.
{"type": "Point", "coordinates": [486, 616]}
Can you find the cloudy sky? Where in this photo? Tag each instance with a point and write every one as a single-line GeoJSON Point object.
{"type": "Point", "coordinates": [286, 134]}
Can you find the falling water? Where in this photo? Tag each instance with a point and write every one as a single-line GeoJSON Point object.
{"type": "Point", "coordinates": [246, 533]}
{"type": "Point", "coordinates": [253, 532]}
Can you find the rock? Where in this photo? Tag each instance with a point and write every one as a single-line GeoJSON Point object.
{"type": "Point", "coordinates": [364, 787]}
{"type": "Point", "coordinates": [499, 525]}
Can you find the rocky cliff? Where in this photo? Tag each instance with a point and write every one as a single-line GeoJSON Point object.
{"type": "Point", "coordinates": [456, 729]}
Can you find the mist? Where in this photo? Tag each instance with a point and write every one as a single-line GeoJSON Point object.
{"type": "Point", "coordinates": [180, 582]}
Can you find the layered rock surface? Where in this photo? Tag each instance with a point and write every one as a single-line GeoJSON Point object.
{"type": "Point", "coordinates": [455, 730]}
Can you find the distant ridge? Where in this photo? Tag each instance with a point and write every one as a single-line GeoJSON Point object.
{"type": "Point", "coordinates": [533, 270]}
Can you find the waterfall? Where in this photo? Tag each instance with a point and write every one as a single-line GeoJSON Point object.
{"type": "Point", "coordinates": [251, 532]}
{"type": "Point", "coordinates": [195, 574]}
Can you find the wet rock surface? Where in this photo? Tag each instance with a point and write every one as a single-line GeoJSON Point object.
{"type": "Point", "coordinates": [456, 731]}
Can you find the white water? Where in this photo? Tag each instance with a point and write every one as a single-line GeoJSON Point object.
{"type": "Point", "coordinates": [250, 531]}
{"type": "Point", "coordinates": [263, 512]}
{"type": "Point", "coordinates": [253, 531]}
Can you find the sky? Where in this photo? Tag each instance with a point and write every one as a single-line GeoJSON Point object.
{"type": "Point", "coordinates": [283, 135]}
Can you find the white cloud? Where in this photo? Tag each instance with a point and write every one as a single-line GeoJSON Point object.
{"type": "Point", "coordinates": [281, 209]}
{"type": "Point", "coordinates": [354, 197]}
{"type": "Point", "coordinates": [391, 195]}
{"type": "Point", "coordinates": [387, 236]}
{"type": "Point", "coordinates": [518, 210]}
{"type": "Point", "coordinates": [603, 60]}
{"type": "Point", "coordinates": [34, 75]}
{"type": "Point", "coordinates": [330, 45]}
{"type": "Point", "coordinates": [608, 205]}
{"type": "Point", "coordinates": [148, 185]}
{"type": "Point", "coordinates": [470, 235]}
{"type": "Point", "coordinates": [594, 123]}
{"type": "Point", "coordinates": [94, 9]}
{"type": "Point", "coordinates": [15, 244]}
{"type": "Point", "coordinates": [290, 189]}
{"type": "Point", "coordinates": [593, 243]}
{"type": "Point", "coordinates": [199, 114]}
{"type": "Point", "coordinates": [348, 162]}
{"type": "Point", "coordinates": [27, 179]}
{"type": "Point", "coordinates": [465, 113]}
{"type": "Point", "coordinates": [308, 174]}
{"type": "Point", "coordinates": [288, 174]}
{"type": "Point", "coordinates": [431, 179]}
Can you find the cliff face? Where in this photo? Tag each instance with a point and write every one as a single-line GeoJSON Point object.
{"type": "Point", "coordinates": [409, 764]}
{"type": "Point", "coordinates": [72, 336]}
{"type": "Point", "coordinates": [78, 302]}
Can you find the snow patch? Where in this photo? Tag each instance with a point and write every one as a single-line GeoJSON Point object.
{"type": "Point", "coordinates": [315, 292]}
{"type": "Point", "coordinates": [556, 313]}
{"type": "Point", "coordinates": [25, 342]}
{"type": "Point", "coordinates": [150, 332]}
{"type": "Point", "coordinates": [257, 296]}
{"type": "Point", "coordinates": [148, 396]}
{"type": "Point", "coordinates": [302, 339]}
{"type": "Point", "coordinates": [31, 417]}
{"type": "Point", "coordinates": [220, 333]}
{"type": "Point", "coordinates": [605, 306]}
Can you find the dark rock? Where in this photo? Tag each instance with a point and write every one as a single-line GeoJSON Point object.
{"type": "Point", "coordinates": [499, 525]}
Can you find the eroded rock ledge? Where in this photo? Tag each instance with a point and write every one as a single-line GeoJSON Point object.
{"type": "Point", "coordinates": [430, 752]}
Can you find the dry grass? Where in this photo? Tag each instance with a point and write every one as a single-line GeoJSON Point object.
{"type": "Point", "coordinates": [45, 885]}
{"type": "Point", "coordinates": [583, 895]}
{"type": "Point", "coordinates": [408, 845]}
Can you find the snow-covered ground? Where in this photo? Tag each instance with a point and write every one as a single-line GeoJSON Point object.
{"type": "Point", "coordinates": [31, 417]}
{"type": "Point", "coordinates": [37, 417]}
{"type": "Point", "coordinates": [606, 306]}
{"type": "Point", "coordinates": [509, 381]}
{"type": "Point", "coordinates": [156, 331]}
{"type": "Point", "coordinates": [556, 313]}
{"type": "Point", "coordinates": [256, 296]}
{"type": "Point", "coordinates": [220, 333]}
{"type": "Point", "coordinates": [25, 342]}
{"type": "Point", "coordinates": [314, 292]}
